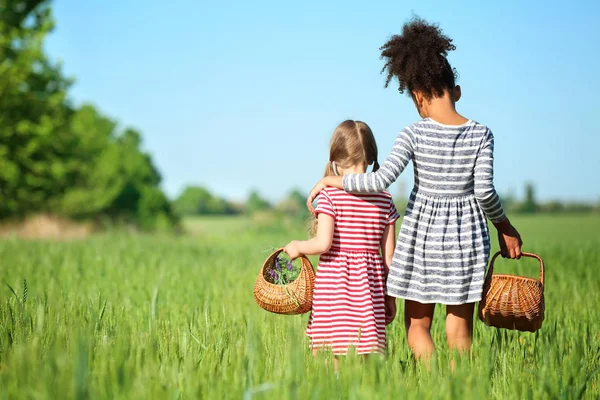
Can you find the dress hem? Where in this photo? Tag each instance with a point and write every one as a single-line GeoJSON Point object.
{"type": "Point", "coordinates": [446, 303]}
{"type": "Point", "coordinates": [325, 347]}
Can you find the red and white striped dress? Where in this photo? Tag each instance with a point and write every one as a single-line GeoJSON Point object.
{"type": "Point", "coordinates": [348, 304]}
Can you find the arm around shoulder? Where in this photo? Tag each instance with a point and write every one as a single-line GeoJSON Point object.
{"type": "Point", "coordinates": [395, 163]}
{"type": "Point", "coordinates": [328, 181]}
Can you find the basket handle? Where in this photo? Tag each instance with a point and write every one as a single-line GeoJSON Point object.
{"type": "Point", "coordinates": [277, 252]}
{"type": "Point", "coordinates": [531, 255]}
{"type": "Point", "coordinates": [280, 250]}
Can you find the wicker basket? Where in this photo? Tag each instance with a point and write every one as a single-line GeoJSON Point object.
{"type": "Point", "coordinates": [513, 302]}
{"type": "Point", "coordinates": [293, 298]}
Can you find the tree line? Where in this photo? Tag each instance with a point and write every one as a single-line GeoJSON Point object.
{"type": "Point", "coordinates": [198, 200]}
{"type": "Point", "coordinates": [530, 204]}
{"type": "Point", "coordinates": [58, 158]}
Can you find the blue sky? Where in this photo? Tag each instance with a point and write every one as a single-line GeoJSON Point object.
{"type": "Point", "coordinates": [243, 95]}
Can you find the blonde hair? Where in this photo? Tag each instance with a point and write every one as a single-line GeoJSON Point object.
{"type": "Point", "coordinates": [352, 144]}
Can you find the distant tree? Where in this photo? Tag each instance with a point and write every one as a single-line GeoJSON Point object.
{"type": "Point", "coordinates": [191, 201]}
{"type": "Point", "coordinates": [578, 207]}
{"type": "Point", "coordinates": [530, 204]}
{"type": "Point", "coordinates": [197, 200]}
{"type": "Point", "coordinates": [552, 207]}
{"type": "Point", "coordinates": [154, 211]}
{"type": "Point", "coordinates": [294, 204]}
{"type": "Point", "coordinates": [256, 203]}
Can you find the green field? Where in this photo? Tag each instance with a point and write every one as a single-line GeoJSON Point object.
{"type": "Point", "coordinates": [152, 317]}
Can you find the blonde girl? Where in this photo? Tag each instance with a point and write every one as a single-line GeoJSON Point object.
{"type": "Point", "coordinates": [355, 238]}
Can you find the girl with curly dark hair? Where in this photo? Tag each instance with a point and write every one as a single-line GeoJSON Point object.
{"type": "Point", "coordinates": [444, 243]}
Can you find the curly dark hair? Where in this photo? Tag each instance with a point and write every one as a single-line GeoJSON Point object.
{"type": "Point", "coordinates": [417, 58]}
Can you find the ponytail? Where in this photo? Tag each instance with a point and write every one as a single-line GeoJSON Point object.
{"type": "Point", "coordinates": [330, 169]}
{"type": "Point", "coordinates": [375, 166]}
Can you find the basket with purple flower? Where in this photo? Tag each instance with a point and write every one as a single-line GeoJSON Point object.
{"type": "Point", "coordinates": [284, 286]}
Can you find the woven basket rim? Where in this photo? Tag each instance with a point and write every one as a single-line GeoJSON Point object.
{"type": "Point", "coordinates": [518, 277]}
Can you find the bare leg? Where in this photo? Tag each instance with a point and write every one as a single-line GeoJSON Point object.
{"type": "Point", "coordinates": [417, 319]}
{"type": "Point", "coordinates": [459, 327]}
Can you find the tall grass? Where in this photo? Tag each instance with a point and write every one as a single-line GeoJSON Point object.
{"type": "Point", "coordinates": [125, 317]}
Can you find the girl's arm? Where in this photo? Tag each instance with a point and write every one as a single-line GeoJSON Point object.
{"type": "Point", "coordinates": [485, 192]}
{"type": "Point", "coordinates": [388, 243]}
{"type": "Point", "coordinates": [373, 182]}
{"type": "Point", "coordinates": [318, 244]}
{"type": "Point", "coordinates": [489, 201]}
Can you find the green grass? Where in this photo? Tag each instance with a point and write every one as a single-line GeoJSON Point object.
{"type": "Point", "coordinates": [142, 317]}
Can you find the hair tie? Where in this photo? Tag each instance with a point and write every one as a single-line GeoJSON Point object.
{"type": "Point", "coordinates": [375, 166]}
{"type": "Point", "coordinates": [333, 167]}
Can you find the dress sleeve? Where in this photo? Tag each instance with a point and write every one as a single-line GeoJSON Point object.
{"type": "Point", "coordinates": [393, 214]}
{"type": "Point", "coordinates": [485, 192]}
{"type": "Point", "coordinates": [324, 205]}
{"type": "Point", "coordinates": [378, 181]}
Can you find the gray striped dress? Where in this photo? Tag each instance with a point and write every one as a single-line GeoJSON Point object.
{"type": "Point", "coordinates": [444, 243]}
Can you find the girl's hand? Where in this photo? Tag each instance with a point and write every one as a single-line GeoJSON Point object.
{"type": "Point", "coordinates": [313, 195]}
{"type": "Point", "coordinates": [291, 249]}
{"type": "Point", "coordinates": [509, 240]}
{"type": "Point", "coordinates": [390, 309]}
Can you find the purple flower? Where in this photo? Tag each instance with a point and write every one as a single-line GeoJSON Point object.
{"type": "Point", "coordinates": [277, 265]}
{"type": "Point", "coordinates": [289, 265]}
